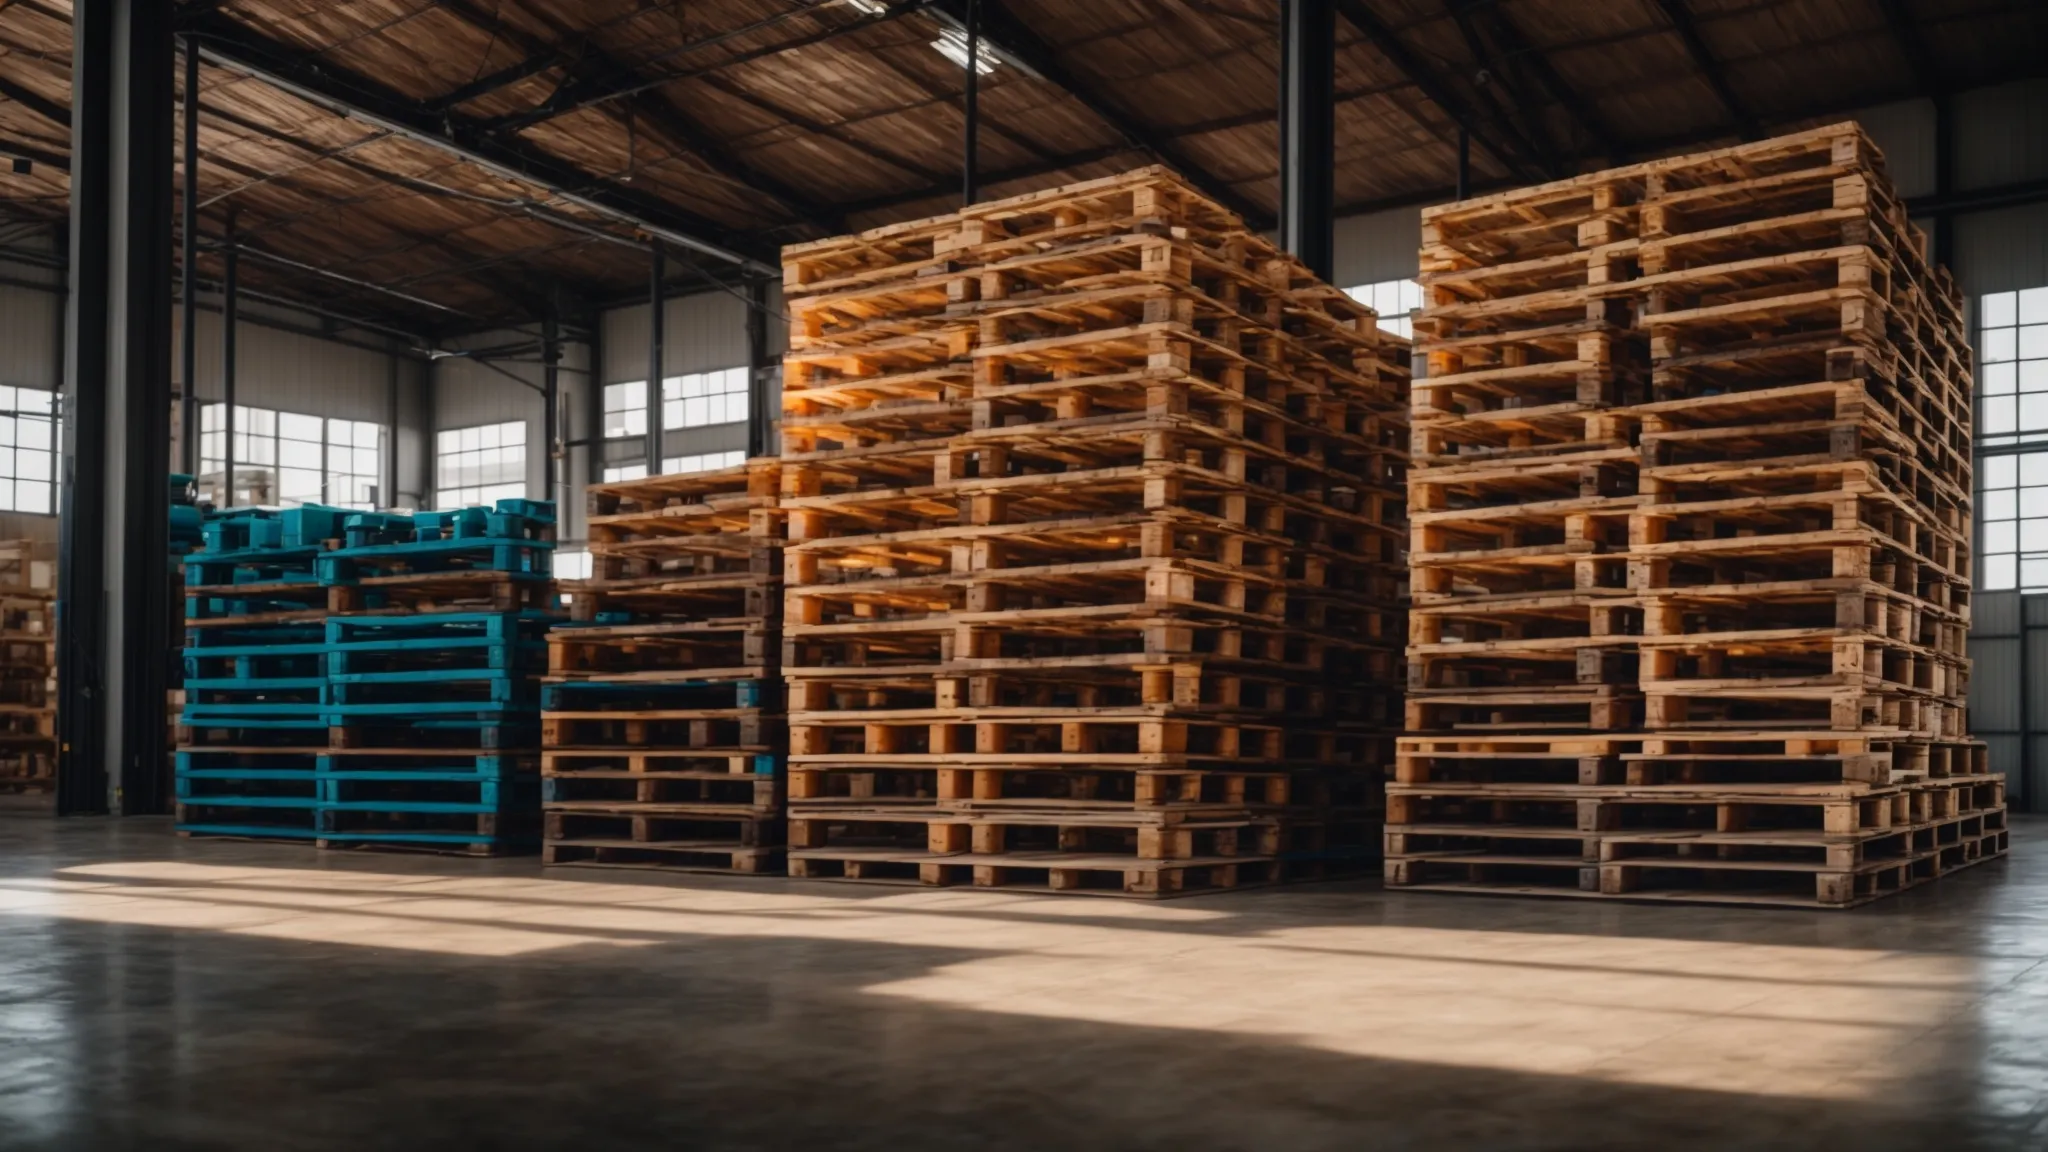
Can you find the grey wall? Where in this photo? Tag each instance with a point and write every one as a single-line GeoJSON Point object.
{"type": "Point", "coordinates": [31, 341]}
{"type": "Point", "coordinates": [507, 386]}
{"type": "Point", "coordinates": [701, 333]}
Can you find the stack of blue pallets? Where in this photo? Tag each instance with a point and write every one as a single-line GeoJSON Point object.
{"type": "Point", "coordinates": [365, 679]}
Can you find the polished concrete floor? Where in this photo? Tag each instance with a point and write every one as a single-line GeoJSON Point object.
{"type": "Point", "coordinates": [164, 994]}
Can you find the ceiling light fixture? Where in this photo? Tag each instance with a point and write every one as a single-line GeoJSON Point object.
{"type": "Point", "coordinates": [866, 7]}
{"type": "Point", "coordinates": [952, 44]}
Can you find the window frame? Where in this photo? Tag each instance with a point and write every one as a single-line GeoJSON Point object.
{"type": "Point", "coordinates": [470, 441]}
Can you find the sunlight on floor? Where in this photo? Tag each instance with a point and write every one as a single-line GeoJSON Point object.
{"type": "Point", "coordinates": [1707, 1015]}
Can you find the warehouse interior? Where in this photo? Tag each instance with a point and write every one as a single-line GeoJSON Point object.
{"type": "Point", "coordinates": [403, 258]}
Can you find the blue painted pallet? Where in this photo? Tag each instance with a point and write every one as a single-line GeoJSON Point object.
{"type": "Point", "coordinates": [203, 664]}
{"type": "Point", "coordinates": [495, 555]}
{"type": "Point", "coordinates": [426, 763]}
{"type": "Point", "coordinates": [470, 689]}
{"type": "Point", "coordinates": [631, 696]}
{"type": "Point", "coordinates": [297, 639]}
{"type": "Point", "coordinates": [246, 831]}
{"type": "Point", "coordinates": [427, 630]}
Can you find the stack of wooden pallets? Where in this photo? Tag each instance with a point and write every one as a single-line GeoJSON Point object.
{"type": "Point", "coordinates": [662, 727]}
{"type": "Point", "coordinates": [1692, 510]}
{"type": "Point", "coordinates": [1095, 518]}
{"type": "Point", "coordinates": [368, 679]}
{"type": "Point", "coordinates": [28, 665]}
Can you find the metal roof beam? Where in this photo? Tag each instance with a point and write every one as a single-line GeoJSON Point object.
{"type": "Point", "coordinates": [590, 65]}
{"type": "Point", "coordinates": [1433, 86]}
{"type": "Point", "coordinates": [1913, 45]}
{"type": "Point", "coordinates": [1010, 39]}
{"type": "Point", "coordinates": [1710, 67]}
{"type": "Point", "coordinates": [349, 94]}
{"type": "Point", "coordinates": [1518, 46]}
{"type": "Point", "coordinates": [36, 102]}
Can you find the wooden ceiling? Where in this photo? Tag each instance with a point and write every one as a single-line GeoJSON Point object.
{"type": "Point", "coordinates": [477, 158]}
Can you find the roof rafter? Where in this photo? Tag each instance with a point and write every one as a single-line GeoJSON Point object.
{"type": "Point", "coordinates": [233, 45]}
{"type": "Point", "coordinates": [1007, 35]}
{"type": "Point", "coordinates": [1913, 45]}
{"type": "Point", "coordinates": [41, 105]}
{"type": "Point", "coordinates": [590, 64]}
{"type": "Point", "coordinates": [1703, 58]}
{"type": "Point", "coordinates": [1433, 86]}
{"type": "Point", "coordinates": [1519, 47]}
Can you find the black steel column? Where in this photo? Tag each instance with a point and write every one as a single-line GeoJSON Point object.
{"type": "Point", "coordinates": [593, 404]}
{"type": "Point", "coordinates": [113, 613]}
{"type": "Point", "coordinates": [656, 301]}
{"type": "Point", "coordinates": [230, 302]}
{"type": "Point", "coordinates": [1464, 164]}
{"type": "Point", "coordinates": [551, 392]}
{"type": "Point", "coordinates": [188, 354]}
{"type": "Point", "coordinates": [1308, 132]}
{"type": "Point", "coordinates": [764, 381]}
{"type": "Point", "coordinates": [970, 177]}
{"type": "Point", "coordinates": [1944, 179]}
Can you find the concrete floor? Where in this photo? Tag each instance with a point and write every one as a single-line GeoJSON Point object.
{"type": "Point", "coordinates": [177, 995]}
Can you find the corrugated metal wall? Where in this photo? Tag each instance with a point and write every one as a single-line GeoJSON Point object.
{"type": "Point", "coordinates": [704, 332]}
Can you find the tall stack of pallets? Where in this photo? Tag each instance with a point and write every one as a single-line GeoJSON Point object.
{"type": "Point", "coordinates": [368, 679]}
{"type": "Point", "coordinates": [28, 665]}
{"type": "Point", "coordinates": [1094, 572]}
{"type": "Point", "coordinates": [1691, 500]}
{"type": "Point", "coordinates": [662, 727]}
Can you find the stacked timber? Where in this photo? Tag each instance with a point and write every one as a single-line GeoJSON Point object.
{"type": "Point", "coordinates": [363, 679]}
{"type": "Point", "coordinates": [1692, 505]}
{"type": "Point", "coordinates": [662, 731]}
{"type": "Point", "coordinates": [28, 667]}
{"type": "Point", "coordinates": [1095, 515]}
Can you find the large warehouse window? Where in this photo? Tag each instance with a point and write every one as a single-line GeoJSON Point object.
{"type": "Point", "coordinates": [28, 450]}
{"type": "Point", "coordinates": [700, 462]}
{"type": "Point", "coordinates": [1396, 301]}
{"type": "Point", "coordinates": [2013, 366]}
{"type": "Point", "coordinates": [480, 465]}
{"type": "Point", "coordinates": [289, 458]}
{"type": "Point", "coordinates": [704, 398]}
{"type": "Point", "coordinates": [625, 410]}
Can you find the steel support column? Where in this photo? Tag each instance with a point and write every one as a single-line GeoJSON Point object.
{"type": "Point", "coordinates": [1308, 140]}
{"type": "Point", "coordinates": [764, 378]}
{"type": "Point", "coordinates": [551, 391]}
{"type": "Point", "coordinates": [970, 171]}
{"type": "Point", "coordinates": [188, 351]}
{"type": "Point", "coordinates": [230, 305]}
{"type": "Point", "coordinates": [113, 567]}
{"type": "Point", "coordinates": [593, 403]}
{"type": "Point", "coordinates": [657, 303]}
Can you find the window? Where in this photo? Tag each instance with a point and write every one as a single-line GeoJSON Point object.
{"type": "Point", "coordinates": [28, 450]}
{"type": "Point", "coordinates": [704, 398]}
{"type": "Point", "coordinates": [354, 465]}
{"type": "Point", "coordinates": [1396, 301]}
{"type": "Point", "coordinates": [572, 564]}
{"type": "Point", "coordinates": [2012, 502]}
{"type": "Point", "coordinates": [480, 465]}
{"type": "Point", "coordinates": [614, 473]}
{"type": "Point", "coordinates": [625, 410]}
{"type": "Point", "coordinates": [291, 458]}
{"type": "Point", "coordinates": [2013, 366]}
{"type": "Point", "coordinates": [704, 462]}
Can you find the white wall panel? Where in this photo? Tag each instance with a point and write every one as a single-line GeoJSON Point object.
{"type": "Point", "coordinates": [292, 372]}
{"type": "Point", "coordinates": [2002, 250]}
{"type": "Point", "coordinates": [2002, 134]}
{"type": "Point", "coordinates": [1376, 247]}
{"type": "Point", "coordinates": [701, 333]}
{"type": "Point", "coordinates": [468, 393]}
{"type": "Point", "coordinates": [1904, 131]}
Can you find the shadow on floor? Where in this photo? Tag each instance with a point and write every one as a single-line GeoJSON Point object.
{"type": "Point", "coordinates": [118, 1034]}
